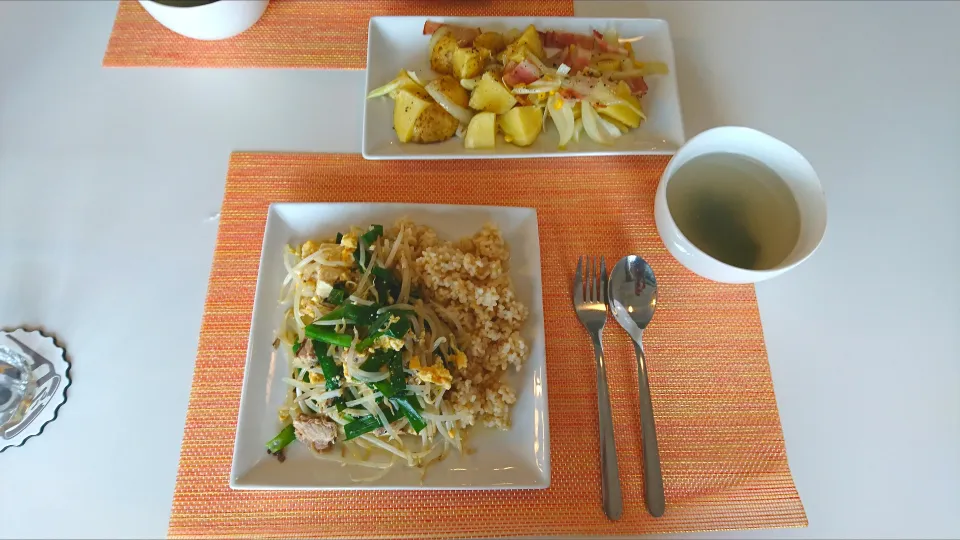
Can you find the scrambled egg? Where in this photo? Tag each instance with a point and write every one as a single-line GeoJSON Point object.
{"type": "Point", "coordinates": [436, 374]}
{"type": "Point", "coordinates": [386, 343]}
{"type": "Point", "coordinates": [459, 358]}
{"type": "Point", "coordinates": [316, 378]}
{"type": "Point", "coordinates": [308, 248]}
{"type": "Point", "coordinates": [348, 244]}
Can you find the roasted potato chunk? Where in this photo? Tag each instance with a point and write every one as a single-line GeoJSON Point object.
{"type": "Point", "coordinates": [491, 95]}
{"type": "Point", "coordinates": [434, 125]}
{"type": "Point", "coordinates": [468, 63]}
{"type": "Point", "coordinates": [482, 131]}
{"type": "Point", "coordinates": [530, 39]}
{"type": "Point", "coordinates": [521, 125]}
{"type": "Point", "coordinates": [491, 41]}
{"type": "Point", "coordinates": [450, 87]}
{"type": "Point", "coordinates": [441, 57]}
{"type": "Point", "coordinates": [515, 52]}
{"type": "Point", "coordinates": [417, 118]}
{"type": "Point", "coordinates": [409, 104]}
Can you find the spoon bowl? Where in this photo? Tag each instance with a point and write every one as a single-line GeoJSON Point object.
{"type": "Point", "coordinates": [633, 294]}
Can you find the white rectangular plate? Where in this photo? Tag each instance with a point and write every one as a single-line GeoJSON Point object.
{"type": "Point", "coordinates": [513, 459]}
{"type": "Point", "coordinates": [398, 43]}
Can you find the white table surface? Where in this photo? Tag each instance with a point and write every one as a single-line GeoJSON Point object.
{"type": "Point", "coordinates": [111, 179]}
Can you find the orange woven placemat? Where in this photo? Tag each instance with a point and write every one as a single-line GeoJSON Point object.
{"type": "Point", "coordinates": [320, 34]}
{"type": "Point", "coordinates": [724, 462]}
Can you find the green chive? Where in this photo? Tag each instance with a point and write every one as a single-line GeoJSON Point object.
{"type": "Point", "coordinates": [332, 373]}
{"type": "Point", "coordinates": [324, 334]}
{"type": "Point", "coordinates": [408, 406]}
{"type": "Point", "coordinates": [376, 231]}
{"type": "Point", "coordinates": [337, 295]}
{"type": "Point", "coordinates": [285, 437]}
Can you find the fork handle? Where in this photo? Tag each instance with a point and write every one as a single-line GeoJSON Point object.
{"type": "Point", "coordinates": [652, 477]}
{"type": "Point", "coordinates": [609, 470]}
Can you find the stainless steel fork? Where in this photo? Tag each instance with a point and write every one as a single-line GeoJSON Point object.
{"type": "Point", "coordinates": [590, 303]}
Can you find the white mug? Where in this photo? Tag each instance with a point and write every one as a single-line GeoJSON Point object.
{"type": "Point", "coordinates": [785, 161]}
{"type": "Point", "coordinates": [218, 19]}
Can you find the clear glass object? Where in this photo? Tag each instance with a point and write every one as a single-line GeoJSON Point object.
{"type": "Point", "coordinates": [17, 385]}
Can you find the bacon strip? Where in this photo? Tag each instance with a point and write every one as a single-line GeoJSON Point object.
{"type": "Point", "coordinates": [637, 85]}
{"type": "Point", "coordinates": [525, 72]}
{"type": "Point", "coordinates": [562, 40]}
{"type": "Point", "coordinates": [579, 58]}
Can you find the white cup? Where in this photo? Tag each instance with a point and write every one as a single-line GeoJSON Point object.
{"type": "Point", "coordinates": [219, 19]}
{"type": "Point", "coordinates": [785, 161]}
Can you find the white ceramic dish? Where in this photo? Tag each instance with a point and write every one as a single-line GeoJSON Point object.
{"type": "Point", "coordinates": [398, 43]}
{"type": "Point", "coordinates": [513, 459]}
{"type": "Point", "coordinates": [211, 21]}
{"type": "Point", "coordinates": [789, 165]}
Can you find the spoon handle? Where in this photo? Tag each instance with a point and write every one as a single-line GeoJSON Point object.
{"type": "Point", "coordinates": [609, 470]}
{"type": "Point", "coordinates": [652, 478]}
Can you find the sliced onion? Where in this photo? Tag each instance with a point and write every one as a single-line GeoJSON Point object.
{"type": "Point", "coordinates": [612, 37]}
{"type": "Point", "coordinates": [581, 84]}
{"type": "Point", "coordinates": [470, 84]}
{"type": "Point", "coordinates": [532, 58]}
{"type": "Point", "coordinates": [393, 85]}
{"type": "Point", "coordinates": [593, 127]}
{"type": "Point", "coordinates": [413, 75]}
{"type": "Point", "coordinates": [442, 31]}
{"type": "Point", "coordinates": [537, 87]}
{"type": "Point", "coordinates": [385, 89]}
{"type": "Point", "coordinates": [577, 128]}
{"type": "Point", "coordinates": [562, 118]}
{"type": "Point", "coordinates": [612, 129]}
{"type": "Point", "coordinates": [604, 95]}
{"type": "Point", "coordinates": [460, 113]}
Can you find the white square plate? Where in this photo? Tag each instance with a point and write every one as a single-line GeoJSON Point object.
{"type": "Point", "coordinates": [513, 459]}
{"type": "Point", "coordinates": [398, 43]}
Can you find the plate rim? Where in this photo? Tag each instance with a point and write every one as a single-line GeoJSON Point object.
{"type": "Point", "coordinates": [544, 478]}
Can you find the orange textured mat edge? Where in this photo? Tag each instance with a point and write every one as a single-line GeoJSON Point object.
{"type": "Point", "coordinates": [721, 444]}
{"type": "Point", "coordinates": [319, 34]}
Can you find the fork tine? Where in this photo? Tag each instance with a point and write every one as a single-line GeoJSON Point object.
{"type": "Point", "coordinates": [593, 279]}
{"type": "Point", "coordinates": [578, 283]}
{"type": "Point", "coordinates": [603, 280]}
{"type": "Point", "coordinates": [597, 295]}
{"type": "Point", "coordinates": [590, 274]}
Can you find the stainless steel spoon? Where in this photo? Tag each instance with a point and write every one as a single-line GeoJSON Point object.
{"type": "Point", "coordinates": [633, 299]}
